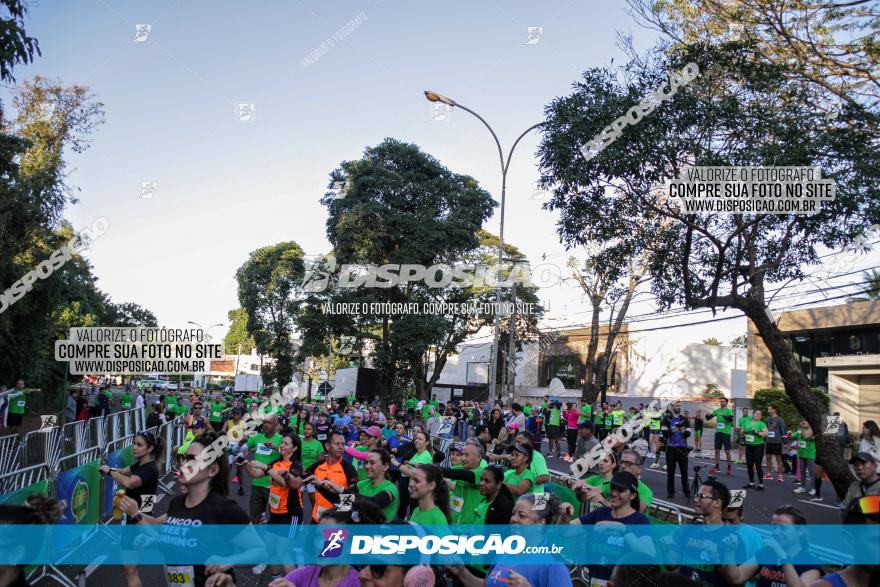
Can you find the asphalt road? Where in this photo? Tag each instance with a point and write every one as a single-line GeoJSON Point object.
{"type": "Point", "coordinates": [759, 505]}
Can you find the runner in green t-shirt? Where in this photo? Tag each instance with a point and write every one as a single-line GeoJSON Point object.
{"type": "Point", "coordinates": [520, 479]}
{"type": "Point", "coordinates": [553, 429]}
{"type": "Point", "coordinates": [376, 484]}
{"type": "Point", "coordinates": [430, 496]}
{"type": "Point", "coordinates": [170, 402]}
{"type": "Point", "coordinates": [586, 413]}
{"type": "Point", "coordinates": [126, 401]}
{"type": "Point", "coordinates": [740, 440]}
{"type": "Point", "coordinates": [806, 456]}
{"type": "Point", "coordinates": [754, 431]}
{"type": "Point", "coordinates": [466, 495]}
{"type": "Point", "coordinates": [264, 448]}
{"type": "Point", "coordinates": [723, 428]}
{"type": "Point", "coordinates": [17, 405]}
{"type": "Point", "coordinates": [215, 414]}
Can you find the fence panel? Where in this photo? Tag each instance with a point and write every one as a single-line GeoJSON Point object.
{"type": "Point", "coordinates": [10, 454]}
{"type": "Point", "coordinates": [77, 437]}
{"type": "Point", "coordinates": [97, 433]}
{"type": "Point", "coordinates": [79, 458]}
{"type": "Point", "coordinates": [43, 447]}
{"type": "Point", "coordinates": [15, 480]}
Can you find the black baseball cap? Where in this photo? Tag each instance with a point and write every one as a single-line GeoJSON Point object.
{"type": "Point", "coordinates": [863, 457]}
{"type": "Point", "coordinates": [624, 481]}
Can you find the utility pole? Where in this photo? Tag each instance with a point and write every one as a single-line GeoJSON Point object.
{"type": "Point", "coordinates": [511, 349]}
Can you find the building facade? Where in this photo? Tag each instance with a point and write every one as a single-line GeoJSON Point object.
{"type": "Point", "coordinates": [838, 348]}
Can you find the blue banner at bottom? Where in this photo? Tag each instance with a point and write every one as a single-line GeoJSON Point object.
{"type": "Point", "coordinates": [410, 544]}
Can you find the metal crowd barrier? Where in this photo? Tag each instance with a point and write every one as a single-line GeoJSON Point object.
{"type": "Point", "coordinates": [665, 512]}
{"type": "Point", "coordinates": [10, 454]}
{"type": "Point", "coordinates": [79, 458]}
{"type": "Point", "coordinates": [96, 432]}
{"type": "Point", "coordinates": [76, 436]}
{"type": "Point", "coordinates": [15, 480]}
{"type": "Point", "coordinates": [43, 447]}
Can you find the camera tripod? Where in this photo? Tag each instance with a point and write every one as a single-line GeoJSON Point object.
{"type": "Point", "coordinates": [695, 485]}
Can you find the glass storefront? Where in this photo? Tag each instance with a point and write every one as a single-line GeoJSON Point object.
{"type": "Point", "coordinates": [810, 346]}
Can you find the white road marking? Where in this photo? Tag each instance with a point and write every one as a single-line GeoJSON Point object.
{"type": "Point", "coordinates": [821, 505]}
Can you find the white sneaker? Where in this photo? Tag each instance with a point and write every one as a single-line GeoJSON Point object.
{"type": "Point", "coordinates": [816, 499]}
{"type": "Point", "coordinates": [800, 490]}
{"type": "Point", "coordinates": [655, 465]}
{"type": "Point", "coordinates": [812, 492]}
{"type": "Point", "coordinates": [664, 467]}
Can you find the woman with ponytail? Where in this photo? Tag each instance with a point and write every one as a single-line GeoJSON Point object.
{"type": "Point", "coordinates": [428, 489]}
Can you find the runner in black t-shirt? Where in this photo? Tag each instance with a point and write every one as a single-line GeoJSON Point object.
{"type": "Point", "coordinates": [206, 501]}
{"type": "Point", "coordinates": [141, 479]}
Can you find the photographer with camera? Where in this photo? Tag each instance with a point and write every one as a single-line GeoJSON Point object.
{"type": "Point", "coordinates": [675, 429]}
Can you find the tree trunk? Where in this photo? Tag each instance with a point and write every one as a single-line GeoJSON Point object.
{"type": "Point", "coordinates": [590, 390]}
{"type": "Point", "coordinates": [828, 455]}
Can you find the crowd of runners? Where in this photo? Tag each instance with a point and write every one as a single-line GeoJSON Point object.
{"type": "Point", "coordinates": [429, 464]}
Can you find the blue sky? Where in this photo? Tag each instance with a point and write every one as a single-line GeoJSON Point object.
{"type": "Point", "coordinates": [225, 188]}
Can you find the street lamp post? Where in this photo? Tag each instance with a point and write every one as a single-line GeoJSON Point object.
{"type": "Point", "coordinates": [208, 339]}
{"type": "Point", "coordinates": [505, 165]}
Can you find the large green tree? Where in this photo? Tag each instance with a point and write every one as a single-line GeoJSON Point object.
{"type": "Point", "coordinates": [237, 338]}
{"type": "Point", "coordinates": [270, 292]}
{"type": "Point", "coordinates": [834, 45]}
{"type": "Point", "coordinates": [397, 205]}
{"type": "Point", "coordinates": [742, 110]}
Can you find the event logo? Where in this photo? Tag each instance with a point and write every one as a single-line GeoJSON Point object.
{"type": "Point", "coordinates": [334, 543]}
{"type": "Point", "coordinates": [318, 273]}
{"type": "Point", "coordinates": [79, 505]}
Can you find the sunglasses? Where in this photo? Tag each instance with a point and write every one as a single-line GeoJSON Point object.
{"type": "Point", "coordinates": [870, 504]}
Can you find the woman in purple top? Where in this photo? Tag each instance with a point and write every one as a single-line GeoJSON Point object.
{"type": "Point", "coordinates": [362, 511]}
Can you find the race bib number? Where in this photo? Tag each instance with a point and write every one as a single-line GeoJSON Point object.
{"type": "Point", "coordinates": [457, 503]}
{"type": "Point", "coordinates": [180, 576]}
{"type": "Point", "coordinates": [322, 437]}
{"type": "Point", "coordinates": [722, 427]}
{"type": "Point", "coordinates": [750, 438]}
{"type": "Point", "coordinates": [274, 500]}
{"type": "Point", "coordinates": [771, 435]}
{"type": "Point", "coordinates": [263, 450]}
{"type": "Point", "coordinates": [216, 415]}
{"type": "Point", "coordinates": [21, 402]}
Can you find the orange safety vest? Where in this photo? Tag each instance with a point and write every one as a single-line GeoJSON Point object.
{"type": "Point", "coordinates": [278, 494]}
{"type": "Point", "coordinates": [334, 473]}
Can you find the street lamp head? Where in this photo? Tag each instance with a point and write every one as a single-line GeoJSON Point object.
{"type": "Point", "coordinates": [435, 97]}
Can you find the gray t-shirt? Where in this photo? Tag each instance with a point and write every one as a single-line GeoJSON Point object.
{"type": "Point", "coordinates": [774, 430]}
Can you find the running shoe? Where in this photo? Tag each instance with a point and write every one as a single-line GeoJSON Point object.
{"type": "Point", "coordinates": [235, 479]}
{"type": "Point", "coordinates": [768, 476]}
{"type": "Point", "coordinates": [800, 490]}
{"type": "Point", "coordinates": [749, 486]}
{"type": "Point", "coordinates": [796, 482]}
{"type": "Point", "coordinates": [655, 465]}
{"type": "Point", "coordinates": [729, 471]}
{"type": "Point", "coordinates": [760, 487]}
{"type": "Point", "coordinates": [781, 479]}
{"type": "Point", "coordinates": [714, 470]}
{"type": "Point", "coordinates": [818, 498]}
{"type": "Point", "coordinates": [664, 467]}
{"type": "Point", "coordinates": [812, 492]}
